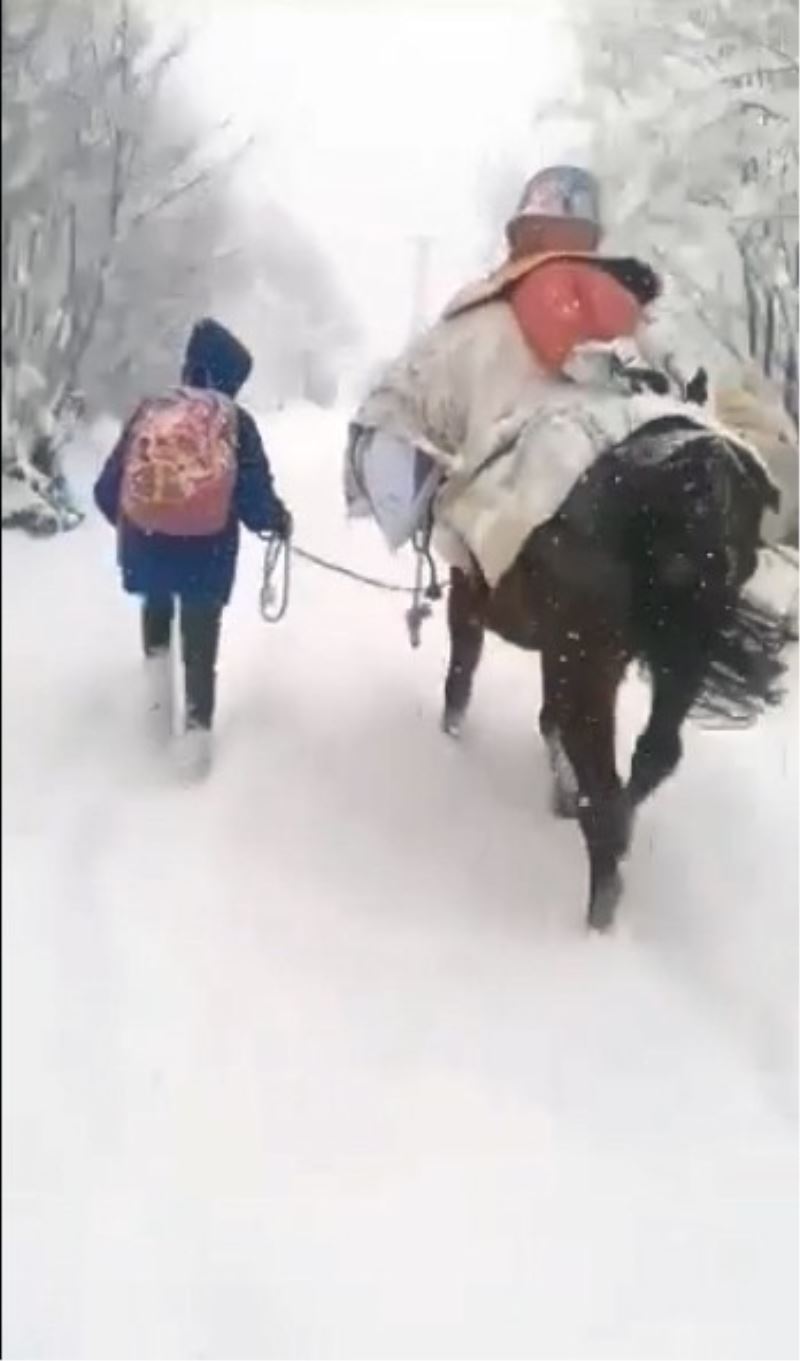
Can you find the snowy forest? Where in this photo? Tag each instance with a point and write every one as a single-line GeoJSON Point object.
{"type": "Point", "coordinates": [120, 223]}
{"type": "Point", "coordinates": [120, 229]}
{"type": "Point", "coordinates": [400, 928]}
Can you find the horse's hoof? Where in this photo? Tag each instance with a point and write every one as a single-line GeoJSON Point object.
{"type": "Point", "coordinates": [604, 902]}
{"type": "Point", "coordinates": [451, 724]}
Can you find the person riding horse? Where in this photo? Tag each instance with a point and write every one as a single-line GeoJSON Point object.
{"type": "Point", "coordinates": [557, 330]}
{"type": "Point", "coordinates": [585, 516]}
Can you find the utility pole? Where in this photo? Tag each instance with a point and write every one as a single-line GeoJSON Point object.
{"type": "Point", "coordinates": [419, 288]}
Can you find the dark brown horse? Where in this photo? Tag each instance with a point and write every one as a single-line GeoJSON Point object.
{"type": "Point", "coordinates": [646, 561]}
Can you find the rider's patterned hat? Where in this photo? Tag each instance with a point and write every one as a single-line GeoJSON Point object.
{"type": "Point", "coordinates": [561, 191]}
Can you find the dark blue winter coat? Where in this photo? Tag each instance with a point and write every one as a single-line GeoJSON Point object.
{"type": "Point", "coordinates": [198, 569]}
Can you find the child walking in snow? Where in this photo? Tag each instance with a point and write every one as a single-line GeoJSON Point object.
{"type": "Point", "coordinates": [187, 469]}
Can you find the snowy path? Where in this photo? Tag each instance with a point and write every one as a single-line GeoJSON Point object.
{"type": "Point", "coordinates": [317, 1061]}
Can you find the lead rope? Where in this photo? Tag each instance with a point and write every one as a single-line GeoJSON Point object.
{"type": "Point", "coordinates": [274, 598]}
{"type": "Point", "coordinates": [419, 609]}
{"type": "Point", "coordinates": [273, 601]}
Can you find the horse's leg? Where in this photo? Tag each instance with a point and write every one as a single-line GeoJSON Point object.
{"type": "Point", "coordinates": [582, 684]}
{"type": "Point", "coordinates": [659, 747]}
{"type": "Point", "coordinates": [564, 790]}
{"type": "Point", "coordinates": [466, 617]}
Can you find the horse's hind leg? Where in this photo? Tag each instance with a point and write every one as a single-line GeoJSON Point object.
{"type": "Point", "coordinates": [581, 688]}
{"type": "Point", "coordinates": [564, 789]}
{"type": "Point", "coordinates": [659, 749]}
{"type": "Point", "coordinates": [466, 617]}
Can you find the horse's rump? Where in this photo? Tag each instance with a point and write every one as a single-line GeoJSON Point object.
{"type": "Point", "coordinates": [683, 508]}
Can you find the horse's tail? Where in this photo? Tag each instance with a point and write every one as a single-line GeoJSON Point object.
{"type": "Point", "coordinates": [695, 545]}
{"type": "Point", "coordinates": [744, 667]}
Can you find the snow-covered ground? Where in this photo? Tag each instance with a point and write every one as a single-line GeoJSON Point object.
{"type": "Point", "coordinates": [316, 1059]}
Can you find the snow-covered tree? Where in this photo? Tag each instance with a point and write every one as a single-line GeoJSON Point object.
{"type": "Point", "coordinates": [294, 312]}
{"type": "Point", "coordinates": [119, 229]}
{"type": "Point", "coordinates": [176, 257]}
{"type": "Point", "coordinates": [81, 85]}
{"type": "Point", "coordinates": [691, 115]}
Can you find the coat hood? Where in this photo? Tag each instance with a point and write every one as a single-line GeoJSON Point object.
{"type": "Point", "coordinates": [216, 359]}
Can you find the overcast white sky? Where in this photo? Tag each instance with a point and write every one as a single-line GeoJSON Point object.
{"type": "Point", "coordinates": [377, 123]}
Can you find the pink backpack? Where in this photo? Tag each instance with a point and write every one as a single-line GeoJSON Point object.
{"type": "Point", "coordinates": [180, 464]}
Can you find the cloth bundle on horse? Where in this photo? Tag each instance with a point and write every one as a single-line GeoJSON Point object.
{"type": "Point", "coordinates": [753, 408]}
{"type": "Point", "coordinates": [588, 507]}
